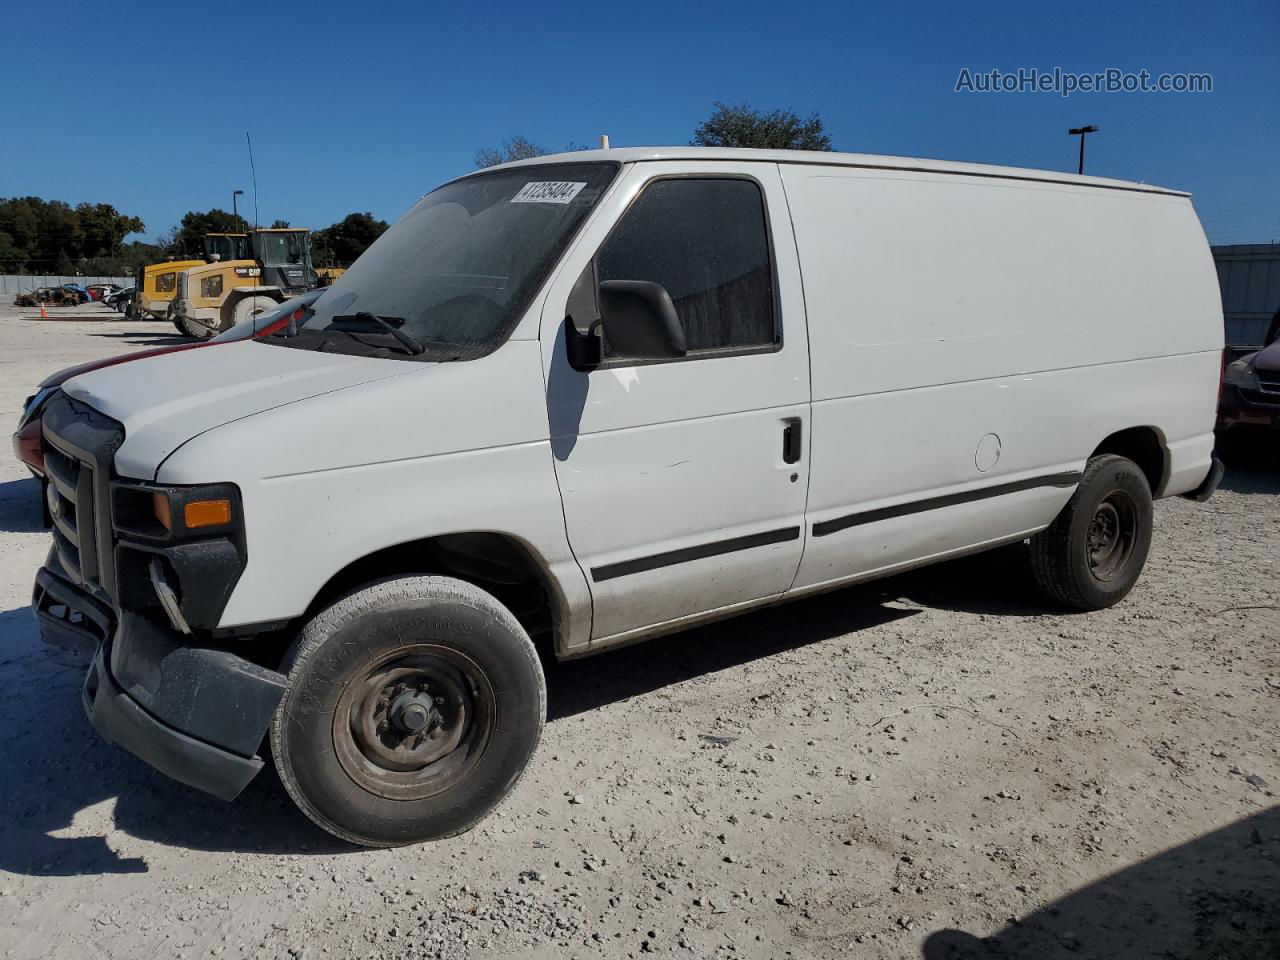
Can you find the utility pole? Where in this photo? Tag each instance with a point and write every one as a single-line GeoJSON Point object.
{"type": "Point", "coordinates": [1081, 131]}
{"type": "Point", "coordinates": [235, 214]}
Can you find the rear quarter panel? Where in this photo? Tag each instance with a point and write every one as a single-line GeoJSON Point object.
{"type": "Point", "coordinates": [943, 309]}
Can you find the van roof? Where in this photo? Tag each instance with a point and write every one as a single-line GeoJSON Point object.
{"type": "Point", "coordinates": [825, 158]}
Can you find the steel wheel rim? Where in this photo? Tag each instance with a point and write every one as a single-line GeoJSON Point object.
{"type": "Point", "coordinates": [1111, 536]}
{"type": "Point", "coordinates": [374, 737]}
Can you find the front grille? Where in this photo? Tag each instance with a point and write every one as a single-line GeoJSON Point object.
{"type": "Point", "coordinates": [79, 446]}
{"type": "Point", "coordinates": [70, 484]}
{"type": "Point", "coordinates": [1269, 382]}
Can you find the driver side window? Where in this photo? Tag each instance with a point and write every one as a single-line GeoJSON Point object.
{"type": "Point", "coordinates": [706, 241]}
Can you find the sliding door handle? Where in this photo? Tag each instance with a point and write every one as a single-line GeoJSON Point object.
{"type": "Point", "coordinates": [792, 440]}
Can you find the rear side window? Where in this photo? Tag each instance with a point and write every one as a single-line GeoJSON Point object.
{"type": "Point", "coordinates": [706, 241]}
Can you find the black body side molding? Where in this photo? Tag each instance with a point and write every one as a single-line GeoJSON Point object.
{"type": "Point", "coordinates": [827, 527]}
{"type": "Point", "coordinates": [699, 552]}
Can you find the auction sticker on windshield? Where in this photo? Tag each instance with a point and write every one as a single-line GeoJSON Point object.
{"type": "Point", "coordinates": [548, 191]}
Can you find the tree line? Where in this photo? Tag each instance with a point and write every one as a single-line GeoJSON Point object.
{"type": "Point", "coordinates": [49, 236]}
{"type": "Point", "coordinates": [729, 125]}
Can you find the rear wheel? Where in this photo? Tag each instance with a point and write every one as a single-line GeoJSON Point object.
{"type": "Point", "coordinates": [1092, 554]}
{"type": "Point", "coordinates": [412, 708]}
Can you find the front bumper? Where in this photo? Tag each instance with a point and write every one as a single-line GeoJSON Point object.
{"type": "Point", "coordinates": [197, 714]}
{"type": "Point", "coordinates": [1237, 407]}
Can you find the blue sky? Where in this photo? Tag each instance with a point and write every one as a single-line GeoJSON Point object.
{"type": "Point", "coordinates": [367, 106]}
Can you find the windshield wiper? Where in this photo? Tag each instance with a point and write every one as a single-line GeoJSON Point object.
{"type": "Point", "coordinates": [415, 347]}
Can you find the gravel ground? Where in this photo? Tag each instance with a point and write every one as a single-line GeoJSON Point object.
{"type": "Point", "coordinates": [934, 765]}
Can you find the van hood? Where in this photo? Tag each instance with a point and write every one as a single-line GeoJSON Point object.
{"type": "Point", "coordinates": [164, 401]}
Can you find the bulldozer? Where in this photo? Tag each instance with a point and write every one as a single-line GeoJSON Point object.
{"type": "Point", "coordinates": [215, 296]}
{"type": "Point", "coordinates": [157, 283]}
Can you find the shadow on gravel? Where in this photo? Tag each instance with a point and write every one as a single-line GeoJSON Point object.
{"type": "Point", "coordinates": [20, 506]}
{"type": "Point", "coordinates": [1213, 897]}
{"type": "Point", "coordinates": [997, 582]}
{"type": "Point", "coordinates": [56, 769]}
{"type": "Point", "coordinates": [581, 685]}
{"type": "Point", "coordinates": [148, 338]}
{"type": "Point", "coordinates": [1252, 459]}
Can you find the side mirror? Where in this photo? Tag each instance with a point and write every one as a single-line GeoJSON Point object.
{"type": "Point", "coordinates": [640, 320]}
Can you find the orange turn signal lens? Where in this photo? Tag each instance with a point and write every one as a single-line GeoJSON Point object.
{"type": "Point", "coordinates": [206, 513]}
{"type": "Point", "coordinates": [160, 503]}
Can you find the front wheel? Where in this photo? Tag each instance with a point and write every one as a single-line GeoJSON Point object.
{"type": "Point", "coordinates": [190, 328]}
{"type": "Point", "coordinates": [412, 707]}
{"type": "Point", "coordinates": [1092, 554]}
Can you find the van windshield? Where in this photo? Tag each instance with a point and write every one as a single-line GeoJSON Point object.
{"type": "Point", "coordinates": [457, 271]}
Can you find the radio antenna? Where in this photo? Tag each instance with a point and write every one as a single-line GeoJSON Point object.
{"type": "Point", "coordinates": [254, 172]}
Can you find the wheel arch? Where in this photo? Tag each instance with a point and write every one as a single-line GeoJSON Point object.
{"type": "Point", "coordinates": [1145, 446]}
{"type": "Point", "coordinates": [500, 563]}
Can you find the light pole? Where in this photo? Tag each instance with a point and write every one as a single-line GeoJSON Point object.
{"type": "Point", "coordinates": [1081, 131]}
{"type": "Point", "coordinates": [240, 193]}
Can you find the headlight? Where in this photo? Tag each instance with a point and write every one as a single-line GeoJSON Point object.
{"type": "Point", "coordinates": [178, 548]}
{"type": "Point", "coordinates": [176, 513]}
{"type": "Point", "coordinates": [1241, 374]}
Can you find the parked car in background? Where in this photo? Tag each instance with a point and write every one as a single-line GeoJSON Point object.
{"type": "Point", "coordinates": [81, 292]}
{"type": "Point", "coordinates": [1250, 394]}
{"type": "Point", "coordinates": [127, 302]}
{"type": "Point", "coordinates": [100, 291]}
{"type": "Point", "coordinates": [48, 296]}
{"type": "Point", "coordinates": [120, 298]}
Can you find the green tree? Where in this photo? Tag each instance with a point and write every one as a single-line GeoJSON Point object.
{"type": "Point", "coordinates": [518, 148]}
{"type": "Point", "coordinates": [280, 224]}
{"type": "Point", "coordinates": [341, 243]}
{"type": "Point", "coordinates": [742, 126]}
{"type": "Point", "coordinates": [104, 228]}
{"type": "Point", "coordinates": [188, 239]}
{"type": "Point", "coordinates": [35, 234]}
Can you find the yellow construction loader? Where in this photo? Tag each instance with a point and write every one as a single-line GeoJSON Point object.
{"type": "Point", "coordinates": [212, 297]}
{"type": "Point", "coordinates": [158, 282]}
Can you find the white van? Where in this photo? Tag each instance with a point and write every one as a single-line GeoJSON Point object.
{"type": "Point", "coordinates": [587, 399]}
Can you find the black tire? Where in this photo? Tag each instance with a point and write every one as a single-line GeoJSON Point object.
{"type": "Point", "coordinates": [1092, 554]}
{"type": "Point", "coordinates": [338, 738]}
{"type": "Point", "coordinates": [192, 329]}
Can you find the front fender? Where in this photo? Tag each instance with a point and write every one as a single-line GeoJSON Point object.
{"type": "Point", "coordinates": [445, 448]}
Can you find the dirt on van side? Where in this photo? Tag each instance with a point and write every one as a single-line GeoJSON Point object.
{"type": "Point", "coordinates": [937, 765]}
